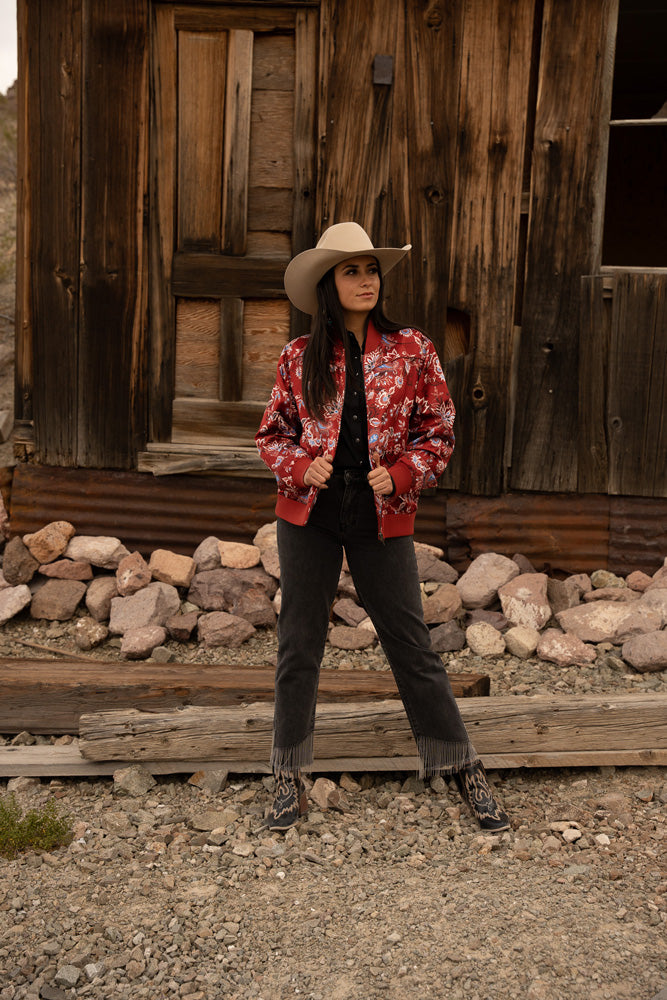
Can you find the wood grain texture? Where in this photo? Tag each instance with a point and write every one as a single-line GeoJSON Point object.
{"type": "Point", "coordinates": [273, 66]}
{"type": "Point", "coordinates": [112, 345]}
{"type": "Point", "coordinates": [197, 348]}
{"type": "Point", "coordinates": [495, 75]}
{"type": "Point", "coordinates": [231, 372]}
{"type": "Point", "coordinates": [55, 85]}
{"type": "Point", "coordinates": [637, 421]}
{"type": "Point", "coordinates": [202, 73]}
{"type": "Point", "coordinates": [594, 340]}
{"type": "Point", "coordinates": [258, 17]}
{"type": "Point", "coordinates": [266, 330]}
{"type": "Point", "coordinates": [569, 158]}
{"type": "Point", "coordinates": [40, 697]}
{"type": "Point", "coordinates": [511, 724]}
{"type": "Point", "coordinates": [23, 371]}
{"type": "Point", "coordinates": [201, 274]}
{"type": "Point", "coordinates": [237, 142]}
{"type": "Point", "coordinates": [272, 139]}
{"type": "Point", "coordinates": [162, 194]}
{"type": "Point", "coordinates": [209, 418]}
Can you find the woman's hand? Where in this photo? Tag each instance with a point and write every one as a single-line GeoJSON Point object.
{"type": "Point", "coordinates": [318, 472]}
{"type": "Point", "coordinates": [379, 479]}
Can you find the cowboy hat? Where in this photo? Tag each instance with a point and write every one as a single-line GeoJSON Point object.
{"type": "Point", "coordinates": [337, 243]}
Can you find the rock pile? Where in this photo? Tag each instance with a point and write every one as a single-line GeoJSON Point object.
{"type": "Point", "coordinates": [227, 590]}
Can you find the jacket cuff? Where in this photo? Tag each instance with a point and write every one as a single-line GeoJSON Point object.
{"type": "Point", "coordinates": [299, 469]}
{"type": "Point", "coordinates": [403, 478]}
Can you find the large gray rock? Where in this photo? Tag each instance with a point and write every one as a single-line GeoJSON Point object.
{"type": "Point", "coordinates": [57, 600]}
{"type": "Point", "coordinates": [181, 627]}
{"type": "Point", "coordinates": [220, 629]}
{"type": "Point", "coordinates": [18, 565]}
{"type": "Point", "coordinates": [255, 606]}
{"type": "Point", "coordinates": [207, 555]}
{"type": "Point", "coordinates": [647, 653]}
{"type": "Point", "coordinates": [656, 599]}
{"type": "Point", "coordinates": [345, 637]}
{"type": "Point", "coordinates": [442, 606]}
{"type": "Point", "coordinates": [218, 589]}
{"type": "Point", "coordinates": [609, 621]}
{"type": "Point", "coordinates": [134, 780]}
{"type": "Point", "coordinates": [430, 567]}
{"type": "Point", "coordinates": [564, 650]}
{"type": "Point", "coordinates": [153, 605]}
{"type": "Point", "coordinates": [349, 611]}
{"type": "Point", "coordinates": [266, 536]}
{"type": "Point", "coordinates": [13, 600]}
{"type": "Point", "coordinates": [479, 584]}
{"type": "Point", "coordinates": [100, 550]}
{"type": "Point", "coordinates": [448, 637]}
{"type": "Point", "coordinates": [524, 600]}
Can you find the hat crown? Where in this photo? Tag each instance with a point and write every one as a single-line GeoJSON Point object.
{"type": "Point", "coordinates": [345, 236]}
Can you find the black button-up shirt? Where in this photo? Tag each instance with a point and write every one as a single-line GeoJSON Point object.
{"type": "Point", "coordinates": [352, 450]}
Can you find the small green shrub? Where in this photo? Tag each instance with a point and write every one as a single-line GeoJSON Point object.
{"type": "Point", "coordinates": [40, 829]}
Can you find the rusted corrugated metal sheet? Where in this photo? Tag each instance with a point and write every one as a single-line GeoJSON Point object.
{"type": "Point", "coordinates": [564, 533]}
{"type": "Point", "coordinates": [145, 512]}
{"type": "Point", "coordinates": [637, 534]}
{"type": "Point", "coordinates": [560, 533]}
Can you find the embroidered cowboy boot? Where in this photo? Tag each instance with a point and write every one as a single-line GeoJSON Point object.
{"type": "Point", "coordinates": [477, 795]}
{"type": "Point", "coordinates": [289, 804]}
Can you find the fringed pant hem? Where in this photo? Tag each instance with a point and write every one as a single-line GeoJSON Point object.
{"type": "Point", "coordinates": [443, 757]}
{"type": "Point", "coordinates": [292, 760]}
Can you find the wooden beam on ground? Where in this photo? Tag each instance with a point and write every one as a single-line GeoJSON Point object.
{"type": "Point", "coordinates": [566, 725]}
{"type": "Point", "coordinates": [67, 762]}
{"type": "Point", "coordinates": [40, 696]}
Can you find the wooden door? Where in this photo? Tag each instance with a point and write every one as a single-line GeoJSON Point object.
{"type": "Point", "coordinates": [232, 199]}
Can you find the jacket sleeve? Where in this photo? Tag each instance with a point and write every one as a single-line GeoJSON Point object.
{"type": "Point", "coordinates": [280, 431]}
{"type": "Point", "coordinates": [430, 431]}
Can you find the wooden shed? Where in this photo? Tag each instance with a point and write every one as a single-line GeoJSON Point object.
{"type": "Point", "coordinates": [175, 155]}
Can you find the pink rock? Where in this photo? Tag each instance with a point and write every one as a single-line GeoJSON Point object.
{"type": "Point", "coordinates": [207, 554]}
{"type": "Point", "coordinates": [132, 574]}
{"type": "Point", "coordinates": [50, 541]}
{"type": "Point", "coordinates": [524, 600]}
{"type": "Point", "coordinates": [524, 564]}
{"type": "Point", "coordinates": [344, 637]}
{"type": "Point", "coordinates": [217, 589]}
{"type": "Point", "coordinates": [67, 569]}
{"type": "Point", "coordinates": [564, 650]}
{"type": "Point", "coordinates": [139, 643]}
{"type": "Point", "coordinates": [57, 600]}
{"type": "Point", "coordinates": [220, 629]}
{"type": "Point", "coordinates": [266, 536]}
{"type": "Point", "coordinates": [430, 568]}
{"type": "Point", "coordinates": [18, 565]}
{"type": "Point", "coordinates": [346, 586]}
{"type": "Point", "coordinates": [349, 611]}
{"type": "Point", "coordinates": [638, 581]}
{"type": "Point", "coordinates": [657, 600]}
{"type": "Point", "coordinates": [254, 605]}
{"type": "Point", "coordinates": [13, 600]}
{"type": "Point", "coordinates": [100, 550]}
{"type": "Point", "coordinates": [152, 605]}
{"type": "Point", "coordinates": [181, 627]}
{"type": "Point", "coordinates": [271, 562]}
{"type": "Point", "coordinates": [169, 567]}
{"type": "Point", "coordinates": [447, 638]}
{"type": "Point", "coordinates": [99, 595]}
{"type": "Point", "coordinates": [646, 653]}
{"type": "Point", "coordinates": [327, 795]}
{"type": "Point", "coordinates": [563, 594]}
{"type": "Point", "coordinates": [478, 587]}
{"type": "Point", "coordinates": [442, 606]}
{"type": "Point", "coordinates": [485, 640]}
{"type": "Point", "coordinates": [238, 555]}
{"type": "Point", "coordinates": [621, 595]}
{"type": "Point", "coordinates": [609, 621]}
{"type": "Point", "coordinates": [495, 618]}
{"type": "Point", "coordinates": [659, 579]}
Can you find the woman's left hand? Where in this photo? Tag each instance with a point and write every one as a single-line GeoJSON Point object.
{"type": "Point", "coordinates": [379, 479]}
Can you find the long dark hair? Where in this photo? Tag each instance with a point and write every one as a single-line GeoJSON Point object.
{"type": "Point", "coordinates": [327, 329]}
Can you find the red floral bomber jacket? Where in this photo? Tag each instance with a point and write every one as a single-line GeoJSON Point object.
{"type": "Point", "coordinates": [410, 425]}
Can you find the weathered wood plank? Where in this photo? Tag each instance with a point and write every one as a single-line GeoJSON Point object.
{"type": "Point", "coordinates": [637, 421]}
{"type": "Point", "coordinates": [198, 348]}
{"type": "Point", "coordinates": [235, 172]}
{"type": "Point", "coordinates": [66, 761]}
{"type": "Point", "coordinates": [42, 697]}
{"type": "Point", "coordinates": [569, 157]}
{"type": "Point", "coordinates": [270, 209]}
{"type": "Point", "coordinates": [162, 192]}
{"type": "Point", "coordinates": [263, 17]}
{"type": "Point", "coordinates": [23, 374]}
{"type": "Point", "coordinates": [201, 274]}
{"type": "Point", "coordinates": [212, 418]}
{"type": "Point", "coordinates": [271, 161]}
{"type": "Point", "coordinates": [266, 330]}
{"type": "Point", "coordinates": [55, 86]}
{"type": "Point", "coordinates": [496, 725]}
{"type": "Point", "coordinates": [219, 457]}
{"type": "Point", "coordinates": [231, 376]}
{"type": "Point", "coordinates": [593, 459]}
{"type": "Point", "coordinates": [495, 74]}
{"type": "Point", "coordinates": [202, 61]}
{"type": "Point", "coordinates": [274, 61]}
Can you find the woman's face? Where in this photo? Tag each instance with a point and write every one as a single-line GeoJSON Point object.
{"type": "Point", "coordinates": [358, 285]}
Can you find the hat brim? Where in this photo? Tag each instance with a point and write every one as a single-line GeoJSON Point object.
{"type": "Point", "coordinates": [306, 269]}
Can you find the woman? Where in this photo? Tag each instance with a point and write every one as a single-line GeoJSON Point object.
{"type": "Point", "coordinates": [359, 421]}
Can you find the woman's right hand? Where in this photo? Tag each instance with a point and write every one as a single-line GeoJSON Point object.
{"type": "Point", "coordinates": [318, 472]}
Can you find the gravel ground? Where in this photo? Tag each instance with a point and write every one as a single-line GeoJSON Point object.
{"type": "Point", "coordinates": [398, 896]}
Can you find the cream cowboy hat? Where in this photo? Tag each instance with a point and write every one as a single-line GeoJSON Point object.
{"type": "Point", "coordinates": [346, 239]}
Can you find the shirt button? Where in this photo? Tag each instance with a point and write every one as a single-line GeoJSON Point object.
{"type": "Point", "coordinates": [357, 440]}
{"type": "Point", "coordinates": [354, 416]}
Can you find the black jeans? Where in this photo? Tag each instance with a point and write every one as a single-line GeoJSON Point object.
{"type": "Point", "coordinates": [387, 583]}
